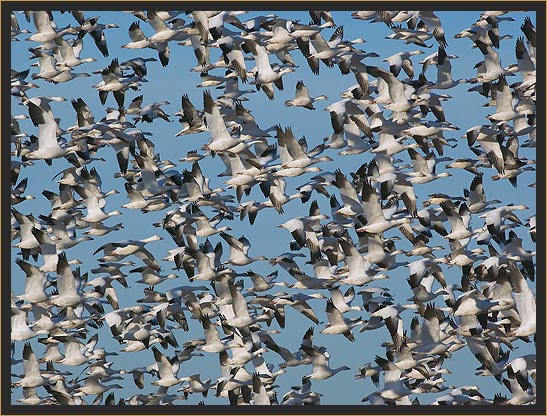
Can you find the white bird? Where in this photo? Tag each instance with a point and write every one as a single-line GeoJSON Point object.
{"type": "Point", "coordinates": [320, 364]}
{"type": "Point", "coordinates": [358, 267]}
{"type": "Point", "coordinates": [303, 98]}
{"type": "Point", "coordinates": [48, 147]}
{"type": "Point", "coordinates": [33, 376]}
{"type": "Point", "coordinates": [46, 30]}
{"type": "Point", "coordinates": [239, 249]}
{"type": "Point", "coordinates": [338, 324]}
{"type": "Point", "coordinates": [68, 288]}
{"type": "Point", "coordinates": [393, 389]}
{"type": "Point", "coordinates": [525, 301]}
{"type": "Point", "coordinates": [167, 369]}
{"type": "Point", "coordinates": [221, 140]}
{"type": "Point", "coordinates": [376, 220]}
{"type": "Point", "coordinates": [265, 74]}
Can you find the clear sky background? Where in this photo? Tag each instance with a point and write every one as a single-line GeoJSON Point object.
{"type": "Point", "coordinates": [465, 110]}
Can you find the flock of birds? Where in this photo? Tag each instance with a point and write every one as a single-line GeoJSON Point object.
{"type": "Point", "coordinates": [470, 287]}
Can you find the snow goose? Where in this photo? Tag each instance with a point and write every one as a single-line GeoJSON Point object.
{"type": "Point", "coordinates": [233, 55]}
{"type": "Point", "coordinates": [274, 189]}
{"type": "Point", "coordinates": [342, 302]}
{"type": "Point", "coordinates": [70, 54]}
{"type": "Point", "coordinates": [265, 75]}
{"type": "Point", "coordinates": [525, 65]}
{"type": "Point", "coordinates": [20, 329]}
{"type": "Point", "coordinates": [213, 343]}
{"type": "Point", "coordinates": [93, 385]}
{"type": "Point", "coordinates": [444, 72]}
{"type": "Point", "coordinates": [95, 213]}
{"type": "Point", "coordinates": [99, 229]}
{"type": "Point", "coordinates": [196, 385]}
{"type": "Point", "coordinates": [399, 93]}
{"type": "Point", "coordinates": [243, 351]}
{"type": "Point", "coordinates": [64, 240]}
{"type": "Point", "coordinates": [377, 253]}
{"type": "Point", "coordinates": [303, 98]}
{"type": "Point", "coordinates": [338, 324]}
{"type": "Point", "coordinates": [320, 364]}
{"type": "Point", "coordinates": [318, 16]}
{"type": "Point", "coordinates": [18, 191]}
{"type": "Point", "coordinates": [388, 144]}
{"type": "Point", "coordinates": [221, 140]}
{"type": "Point", "coordinates": [529, 31]}
{"type": "Point", "coordinates": [424, 168]}
{"type": "Point", "coordinates": [376, 221]}
{"type": "Point", "coordinates": [416, 36]}
{"type": "Point", "coordinates": [33, 376]}
{"type": "Point", "coordinates": [431, 339]}
{"type": "Point", "coordinates": [15, 28]}
{"type": "Point", "coordinates": [298, 301]}
{"type": "Point", "coordinates": [138, 40]}
{"type": "Point", "coordinates": [114, 81]}
{"type": "Point", "coordinates": [241, 319]}
{"type": "Point", "coordinates": [263, 283]}
{"type": "Point", "coordinates": [525, 364]}
{"type": "Point", "coordinates": [233, 378]}
{"type": "Point", "coordinates": [30, 397]}
{"type": "Point", "coordinates": [348, 193]}
{"type": "Point", "coordinates": [473, 302]}
{"type": "Point", "coordinates": [118, 250]}
{"type": "Point", "coordinates": [433, 23]}
{"type": "Point", "coordinates": [167, 369]}
{"type": "Point", "coordinates": [48, 147]}
{"type": "Point", "coordinates": [419, 268]}
{"type": "Point", "coordinates": [68, 286]}
{"type": "Point", "coordinates": [419, 242]}
{"type": "Point", "coordinates": [464, 163]}
{"type": "Point", "coordinates": [525, 302]}
{"type": "Point", "coordinates": [520, 388]}
{"type": "Point", "coordinates": [323, 50]}
{"type": "Point", "coordinates": [138, 65]}
{"type": "Point", "coordinates": [164, 33]}
{"type": "Point", "coordinates": [289, 358]}
{"type": "Point", "coordinates": [491, 68]}
{"type": "Point", "coordinates": [46, 28]}
{"type": "Point", "coordinates": [495, 218]}
{"type": "Point", "coordinates": [504, 102]}
{"type": "Point", "coordinates": [260, 396]}
{"type": "Point", "coordinates": [476, 198]}
{"type": "Point", "coordinates": [239, 249]}
{"type": "Point", "coordinates": [423, 290]}
{"type": "Point", "coordinates": [73, 351]}
{"type": "Point", "coordinates": [137, 201]}
{"type": "Point", "coordinates": [190, 118]}
{"type": "Point", "coordinates": [490, 355]}
{"type": "Point", "coordinates": [149, 112]}
{"type": "Point", "coordinates": [355, 143]}
{"type": "Point", "coordinates": [400, 61]}
{"type": "Point", "coordinates": [487, 139]}
{"type": "Point", "coordinates": [150, 276]}
{"type": "Point", "coordinates": [358, 267]}
{"type": "Point", "coordinates": [393, 388]}
{"type": "Point", "coordinates": [459, 222]}
{"type": "Point", "coordinates": [95, 29]}
{"type": "Point", "coordinates": [481, 29]}
{"type": "Point", "coordinates": [207, 227]}
{"type": "Point", "coordinates": [296, 171]}
{"type": "Point", "coordinates": [306, 282]}
{"type": "Point", "coordinates": [35, 283]}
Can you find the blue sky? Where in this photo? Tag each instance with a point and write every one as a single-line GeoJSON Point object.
{"type": "Point", "coordinates": [464, 110]}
